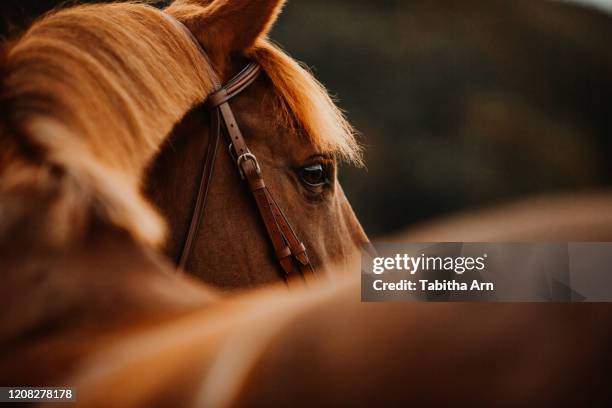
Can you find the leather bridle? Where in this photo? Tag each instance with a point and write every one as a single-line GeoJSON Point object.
{"type": "Point", "coordinates": [290, 251]}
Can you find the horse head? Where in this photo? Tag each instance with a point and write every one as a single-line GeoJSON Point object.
{"type": "Point", "coordinates": [298, 136]}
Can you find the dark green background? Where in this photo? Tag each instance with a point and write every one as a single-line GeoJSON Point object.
{"type": "Point", "coordinates": [460, 103]}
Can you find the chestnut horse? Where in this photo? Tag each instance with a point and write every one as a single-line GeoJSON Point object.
{"type": "Point", "coordinates": [297, 134]}
{"type": "Point", "coordinates": [88, 97]}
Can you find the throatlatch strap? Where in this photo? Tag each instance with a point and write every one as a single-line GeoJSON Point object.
{"type": "Point", "coordinates": [207, 173]}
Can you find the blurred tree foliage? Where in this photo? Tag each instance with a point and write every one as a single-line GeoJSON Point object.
{"type": "Point", "coordinates": [459, 104]}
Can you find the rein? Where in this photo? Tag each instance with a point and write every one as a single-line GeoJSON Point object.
{"type": "Point", "coordinates": [290, 251]}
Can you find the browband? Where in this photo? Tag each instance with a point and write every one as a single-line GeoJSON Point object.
{"type": "Point", "coordinates": [235, 86]}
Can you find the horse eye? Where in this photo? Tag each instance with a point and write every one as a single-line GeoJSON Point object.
{"type": "Point", "coordinates": [313, 176]}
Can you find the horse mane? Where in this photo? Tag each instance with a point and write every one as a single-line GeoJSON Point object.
{"type": "Point", "coordinates": [93, 90]}
{"type": "Point", "coordinates": [90, 93]}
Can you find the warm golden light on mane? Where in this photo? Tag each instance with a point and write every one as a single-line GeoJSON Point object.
{"type": "Point", "coordinates": [95, 89]}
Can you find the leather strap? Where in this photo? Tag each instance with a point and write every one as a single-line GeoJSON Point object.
{"type": "Point", "coordinates": [290, 251]}
{"type": "Point", "coordinates": [235, 86]}
{"type": "Point", "coordinates": [205, 178]}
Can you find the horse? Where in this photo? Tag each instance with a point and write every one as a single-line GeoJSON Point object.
{"type": "Point", "coordinates": [290, 122]}
{"type": "Point", "coordinates": [298, 135]}
{"type": "Point", "coordinates": [89, 95]}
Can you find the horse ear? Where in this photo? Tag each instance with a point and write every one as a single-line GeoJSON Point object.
{"type": "Point", "coordinates": [233, 25]}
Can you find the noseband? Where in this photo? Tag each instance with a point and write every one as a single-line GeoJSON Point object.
{"type": "Point", "coordinates": [290, 251]}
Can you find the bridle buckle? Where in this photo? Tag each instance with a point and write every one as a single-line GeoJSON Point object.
{"type": "Point", "coordinates": [243, 158]}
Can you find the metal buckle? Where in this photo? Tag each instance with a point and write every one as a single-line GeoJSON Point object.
{"type": "Point", "coordinates": [244, 157]}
